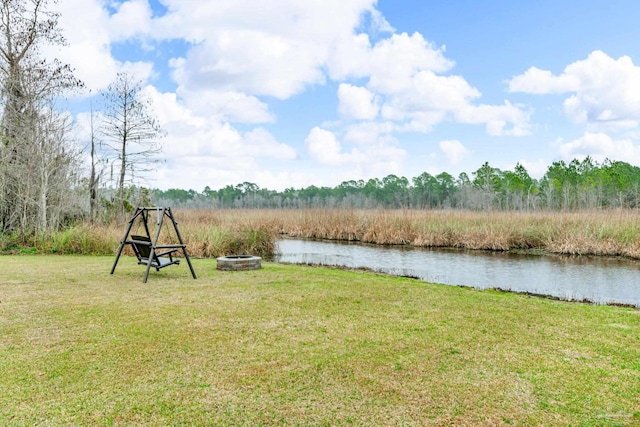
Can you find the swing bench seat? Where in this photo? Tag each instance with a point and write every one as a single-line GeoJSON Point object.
{"type": "Point", "coordinates": [142, 248]}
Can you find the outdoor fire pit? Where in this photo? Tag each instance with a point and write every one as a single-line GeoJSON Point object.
{"type": "Point", "coordinates": [239, 262]}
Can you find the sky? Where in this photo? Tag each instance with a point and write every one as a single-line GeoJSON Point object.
{"type": "Point", "coordinates": [293, 93]}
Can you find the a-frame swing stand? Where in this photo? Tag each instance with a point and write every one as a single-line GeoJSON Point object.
{"type": "Point", "coordinates": [146, 248]}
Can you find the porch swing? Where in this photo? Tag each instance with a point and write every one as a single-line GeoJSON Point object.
{"type": "Point", "coordinates": [146, 248]}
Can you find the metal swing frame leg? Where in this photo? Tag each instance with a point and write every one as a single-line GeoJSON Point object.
{"type": "Point", "coordinates": [124, 238]}
{"type": "Point", "coordinates": [184, 246]}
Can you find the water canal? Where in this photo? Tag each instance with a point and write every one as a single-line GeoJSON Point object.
{"type": "Point", "coordinates": [597, 279]}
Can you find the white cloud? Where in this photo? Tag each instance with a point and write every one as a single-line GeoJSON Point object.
{"type": "Point", "coordinates": [197, 20]}
{"type": "Point", "coordinates": [367, 133]}
{"type": "Point", "coordinates": [379, 157]}
{"type": "Point", "coordinates": [453, 150]}
{"type": "Point", "coordinates": [88, 49]}
{"type": "Point", "coordinates": [275, 49]}
{"type": "Point", "coordinates": [169, 110]}
{"type": "Point", "coordinates": [90, 33]}
{"type": "Point", "coordinates": [600, 146]}
{"type": "Point", "coordinates": [356, 102]}
{"type": "Point", "coordinates": [350, 57]}
{"type": "Point", "coordinates": [228, 106]}
{"type": "Point", "coordinates": [232, 106]}
{"type": "Point", "coordinates": [604, 91]}
{"type": "Point", "coordinates": [404, 77]}
{"type": "Point", "coordinates": [430, 99]}
{"type": "Point", "coordinates": [324, 147]}
{"type": "Point", "coordinates": [132, 18]}
{"type": "Point", "coordinates": [388, 63]}
{"type": "Point", "coordinates": [255, 63]}
{"type": "Point", "coordinates": [506, 119]}
{"type": "Point", "coordinates": [220, 104]}
{"type": "Point", "coordinates": [209, 150]}
{"type": "Point", "coordinates": [540, 82]}
{"type": "Point", "coordinates": [428, 92]}
{"type": "Point", "coordinates": [224, 143]}
{"type": "Point", "coordinates": [282, 49]}
{"type": "Point", "coordinates": [260, 143]}
{"type": "Point", "coordinates": [380, 24]}
{"type": "Point", "coordinates": [139, 71]}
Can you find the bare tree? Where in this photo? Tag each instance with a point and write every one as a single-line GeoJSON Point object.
{"type": "Point", "coordinates": [58, 162]}
{"type": "Point", "coordinates": [29, 86]}
{"type": "Point", "coordinates": [94, 177]}
{"type": "Point", "coordinates": [130, 130]}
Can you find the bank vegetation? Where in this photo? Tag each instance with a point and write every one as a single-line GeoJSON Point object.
{"type": "Point", "coordinates": [212, 233]}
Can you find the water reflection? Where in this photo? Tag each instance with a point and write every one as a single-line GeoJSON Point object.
{"type": "Point", "coordinates": [597, 279]}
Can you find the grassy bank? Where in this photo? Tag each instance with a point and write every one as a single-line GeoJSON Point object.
{"type": "Point", "coordinates": [607, 233]}
{"type": "Point", "coordinates": [615, 233]}
{"type": "Point", "coordinates": [291, 345]}
{"type": "Point", "coordinates": [212, 233]}
{"type": "Point", "coordinates": [208, 234]}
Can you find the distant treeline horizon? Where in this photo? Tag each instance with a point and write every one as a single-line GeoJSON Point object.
{"type": "Point", "coordinates": [578, 184]}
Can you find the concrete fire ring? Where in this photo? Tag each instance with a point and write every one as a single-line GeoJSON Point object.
{"type": "Point", "coordinates": [239, 262]}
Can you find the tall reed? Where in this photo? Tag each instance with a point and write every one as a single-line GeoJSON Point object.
{"type": "Point", "coordinates": [206, 233]}
{"type": "Point", "coordinates": [596, 232]}
{"type": "Point", "coordinates": [611, 232]}
{"type": "Point", "coordinates": [212, 233]}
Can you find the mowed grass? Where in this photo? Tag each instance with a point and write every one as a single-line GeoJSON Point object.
{"type": "Point", "coordinates": [295, 345]}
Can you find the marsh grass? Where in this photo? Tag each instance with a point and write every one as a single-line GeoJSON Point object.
{"type": "Point", "coordinates": [207, 234]}
{"type": "Point", "coordinates": [213, 233]}
{"type": "Point", "coordinates": [610, 233]}
{"type": "Point", "coordinates": [292, 345]}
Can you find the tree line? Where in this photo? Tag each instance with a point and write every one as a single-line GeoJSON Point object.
{"type": "Point", "coordinates": [578, 184]}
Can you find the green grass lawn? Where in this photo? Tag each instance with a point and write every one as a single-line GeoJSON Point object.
{"type": "Point", "coordinates": [293, 345]}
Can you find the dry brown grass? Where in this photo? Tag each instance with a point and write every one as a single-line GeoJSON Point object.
{"type": "Point", "coordinates": [208, 234]}
{"type": "Point", "coordinates": [610, 233]}
{"type": "Point", "coordinates": [212, 233]}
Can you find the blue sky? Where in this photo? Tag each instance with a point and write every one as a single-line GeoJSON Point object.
{"type": "Point", "coordinates": [292, 93]}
